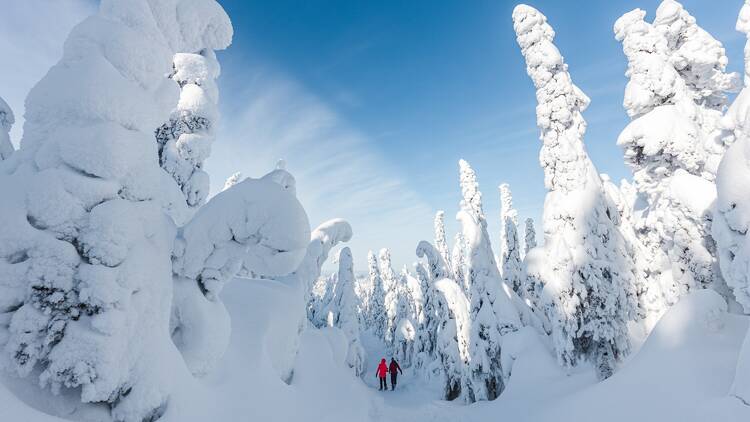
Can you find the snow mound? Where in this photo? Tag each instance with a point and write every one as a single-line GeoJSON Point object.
{"type": "Point", "coordinates": [682, 372]}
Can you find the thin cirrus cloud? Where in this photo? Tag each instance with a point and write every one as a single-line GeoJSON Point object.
{"type": "Point", "coordinates": [338, 171]}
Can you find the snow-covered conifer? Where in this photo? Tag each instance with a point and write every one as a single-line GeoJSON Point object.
{"type": "Point", "coordinates": [232, 180]}
{"type": "Point", "coordinates": [458, 262]}
{"type": "Point", "coordinates": [651, 303]}
{"type": "Point", "coordinates": [184, 141]}
{"type": "Point", "coordinates": [437, 268]}
{"type": "Point", "coordinates": [731, 227]}
{"type": "Point", "coordinates": [698, 58]}
{"type": "Point", "coordinates": [390, 302]}
{"type": "Point", "coordinates": [83, 210]}
{"type": "Point", "coordinates": [676, 93]}
{"type": "Point", "coordinates": [324, 238]}
{"type": "Point", "coordinates": [405, 334]}
{"type": "Point", "coordinates": [441, 244]}
{"type": "Point", "coordinates": [320, 297]}
{"type": "Point", "coordinates": [6, 122]}
{"type": "Point", "coordinates": [530, 238]}
{"type": "Point", "coordinates": [510, 257]}
{"type": "Point", "coordinates": [492, 310]}
{"type": "Point", "coordinates": [345, 308]}
{"type": "Point", "coordinates": [255, 223]}
{"type": "Point", "coordinates": [452, 339]}
{"type": "Point", "coordinates": [424, 347]}
{"type": "Point", "coordinates": [588, 291]}
{"type": "Point", "coordinates": [377, 314]}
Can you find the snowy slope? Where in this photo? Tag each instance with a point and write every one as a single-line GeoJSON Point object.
{"type": "Point", "coordinates": [682, 372]}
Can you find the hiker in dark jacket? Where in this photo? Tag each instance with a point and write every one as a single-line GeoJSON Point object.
{"type": "Point", "coordinates": [393, 368]}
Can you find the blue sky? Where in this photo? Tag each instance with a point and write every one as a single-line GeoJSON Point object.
{"type": "Point", "coordinates": [426, 83]}
{"type": "Point", "coordinates": [372, 104]}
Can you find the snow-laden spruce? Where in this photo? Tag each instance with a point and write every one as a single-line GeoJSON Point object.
{"type": "Point", "coordinates": [232, 180]}
{"type": "Point", "coordinates": [184, 141]}
{"type": "Point", "coordinates": [510, 257]}
{"type": "Point", "coordinates": [324, 238]}
{"type": "Point", "coordinates": [319, 300]}
{"type": "Point", "coordinates": [424, 347]}
{"type": "Point", "coordinates": [344, 307]}
{"type": "Point", "coordinates": [651, 301]}
{"type": "Point", "coordinates": [529, 240]}
{"type": "Point", "coordinates": [319, 291]}
{"type": "Point", "coordinates": [405, 334]}
{"type": "Point", "coordinates": [441, 243]}
{"type": "Point", "coordinates": [588, 287]}
{"type": "Point", "coordinates": [732, 222]}
{"type": "Point", "coordinates": [675, 95]}
{"type": "Point", "coordinates": [256, 223]}
{"type": "Point", "coordinates": [492, 310]}
{"type": "Point", "coordinates": [458, 262]}
{"type": "Point", "coordinates": [377, 317]}
{"type": "Point", "coordinates": [90, 246]}
{"type": "Point", "coordinates": [390, 298]}
{"type": "Point", "coordinates": [452, 311]}
{"type": "Point", "coordinates": [6, 123]}
{"type": "Point", "coordinates": [436, 265]}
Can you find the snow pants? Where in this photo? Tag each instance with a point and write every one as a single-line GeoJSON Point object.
{"type": "Point", "coordinates": [393, 380]}
{"type": "Point", "coordinates": [383, 384]}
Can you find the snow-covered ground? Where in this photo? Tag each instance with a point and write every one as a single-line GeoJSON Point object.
{"type": "Point", "coordinates": [682, 372]}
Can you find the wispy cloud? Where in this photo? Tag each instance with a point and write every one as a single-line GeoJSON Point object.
{"type": "Point", "coordinates": [338, 172]}
{"type": "Point", "coordinates": [32, 33]}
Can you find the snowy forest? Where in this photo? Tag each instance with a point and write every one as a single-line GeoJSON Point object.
{"type": "Point", "coordinates": [129, 292]}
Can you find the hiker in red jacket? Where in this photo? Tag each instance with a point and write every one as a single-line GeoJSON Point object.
{"type": "Point", "coordinates": [392, 369]}
{"type": "Point", "coordinates": [380, 373]}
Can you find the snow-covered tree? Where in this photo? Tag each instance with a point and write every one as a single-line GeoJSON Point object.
{"type": "Point", "coordinates": [492, 310]}
{"type": "Point", "coordinates": [588, 289]}
{"type": "Point", "coordinates": [436, 266]}
{"type": "Point", "coordinates": [699, 60]}
{"type": "Point", "coordinates": [453, 338]}
{"type": "Point", "coordinates": [319, 300]}
{"type": "Point", "coordinates": [345, 308]}
{"type": "Point", "coordinates": [232, 180]}
{"type": "Point", "coordinates": [88, 307]}
{"type": "Point", "coordinates": [6, 122]}
{"type": "Point", "coordinates": [676, 93]}
{"type": "Point", "coordinates": [530, 237]}
{"type": "Point", "coordinates": [441, 244]}
{"type": "Point", "coordinates": [732, 223]}
{"type": "Point", "coordinates": [510, 258]}
{"type": "Point", "coordinates": [404, 334]}
{"type": "Point", "coordinates": [324, 238]}
{"type": "Point", "coordinates": [256, 223]}
{"type": "Point", "coordinates": [184, 141]}
{"type": "Point", "coordinates": [424, 347]}
{"type": "Point", "coordinates": [390, 302]}
{"type": "Point", "coordinates": [377, 314]}
{"type": "Point", "coordinates": [458, 262]}
{"type": "Point", "coordinates": [651, 302]}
